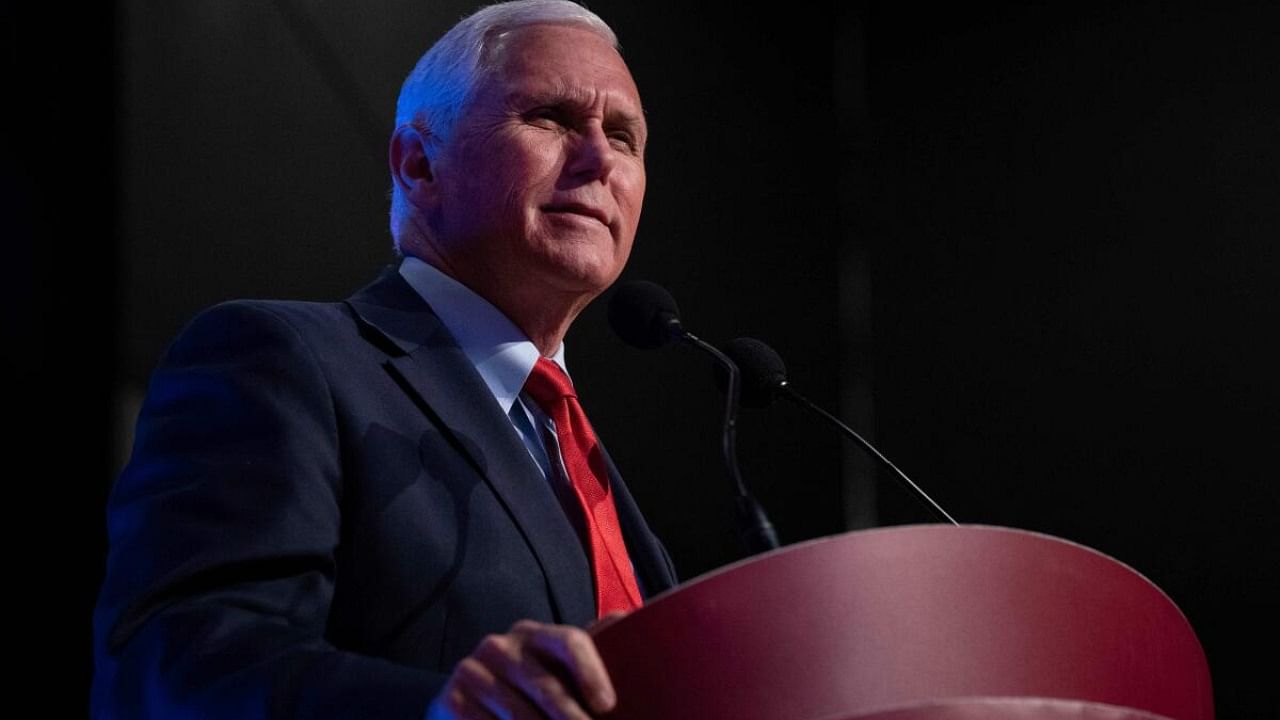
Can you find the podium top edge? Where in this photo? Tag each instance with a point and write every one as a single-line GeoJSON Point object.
{"type": "Point", "coordinates": [916, 528]}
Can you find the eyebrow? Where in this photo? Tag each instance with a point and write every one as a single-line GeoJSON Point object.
{"type": "Point", "coordinates": [576, 99]}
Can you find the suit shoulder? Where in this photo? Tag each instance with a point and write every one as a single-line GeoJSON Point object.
{"type": "Point", "coordinates": [237, 322]}
{"type": "Point", "coordinates": [299, 313]}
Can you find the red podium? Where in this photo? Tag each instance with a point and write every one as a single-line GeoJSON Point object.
{"type": "Point", "coordinates": [927, 622]}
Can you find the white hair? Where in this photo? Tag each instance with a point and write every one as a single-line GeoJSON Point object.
{"type": "Point", "coordinates": [440, 86]}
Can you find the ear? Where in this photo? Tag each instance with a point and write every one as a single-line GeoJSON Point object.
{"type": "Point", "coordinates": [410, 167]}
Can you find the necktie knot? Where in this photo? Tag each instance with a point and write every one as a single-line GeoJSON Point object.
{"type": "Point", "coordinates": [548, 384]}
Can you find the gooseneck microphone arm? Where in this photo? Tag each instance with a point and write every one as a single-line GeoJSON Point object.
{"type": "Point", "coordinates": [645, 315]}
{"type": "Point", "coordinates": [757, 532]}
{"type": "Point", "coordinates": [729, 434]}
{"type": "Point", "coordinates": [785, 389]}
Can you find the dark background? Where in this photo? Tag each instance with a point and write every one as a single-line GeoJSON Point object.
{"type": "Point", "coordinates": [1029, 249]}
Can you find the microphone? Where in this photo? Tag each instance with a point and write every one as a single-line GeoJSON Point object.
{"type": "Point", "coordinates": [645, 316]}
{"type": "Point", "coordinates": [764, 378]}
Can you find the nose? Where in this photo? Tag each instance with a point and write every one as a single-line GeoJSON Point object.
{"type": "Point", "coordinates": [592, 156]}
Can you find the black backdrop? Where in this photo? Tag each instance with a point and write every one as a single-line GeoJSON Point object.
{"type": "Point", "coordinates": [1030, 249]}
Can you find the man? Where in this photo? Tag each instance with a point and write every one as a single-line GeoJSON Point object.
{"type": "Point", "coordinates": [393, 506]}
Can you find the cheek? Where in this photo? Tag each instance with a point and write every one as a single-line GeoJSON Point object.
{"type": "Point", "coordinates": [507, 166]}
{"type": "Point", "coordinates": [528, 177]}
{"type": "Point", "coordinates": [631, 195]}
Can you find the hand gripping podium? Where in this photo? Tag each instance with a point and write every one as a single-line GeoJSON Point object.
{"type": "Point", "coordinates": [926, 622]}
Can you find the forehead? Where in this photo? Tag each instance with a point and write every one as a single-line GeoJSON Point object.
{"type": "Point", "coordinates": [567, 61]}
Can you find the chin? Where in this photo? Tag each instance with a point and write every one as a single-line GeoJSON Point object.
{"type": "Point", "coordinates": [584, 278]}
{"type": "Point", "coordinates": [589, 269]}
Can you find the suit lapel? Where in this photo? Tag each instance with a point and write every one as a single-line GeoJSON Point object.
{"type": "Point", "coordinates": [647, 555]}
{"type": "Point", "coordinates": [446, 385]}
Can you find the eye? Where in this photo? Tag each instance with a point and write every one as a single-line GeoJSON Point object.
{"type": "Point", "coordinates": [623, 139]}
{"type": "Point", "coordinates": [549, 117]}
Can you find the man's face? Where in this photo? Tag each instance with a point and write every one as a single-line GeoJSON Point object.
{"type": "Point", "coordinates": [544, 177]}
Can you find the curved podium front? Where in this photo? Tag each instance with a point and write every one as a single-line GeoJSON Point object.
{"type": "Point", "coordinates": [922, 622]}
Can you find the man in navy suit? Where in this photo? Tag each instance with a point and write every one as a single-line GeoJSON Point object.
{"type": "Point", "coordinates": [356, 509]}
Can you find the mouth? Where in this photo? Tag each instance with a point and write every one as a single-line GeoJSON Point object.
{"type": "Point", "coordinates": [578, 209]}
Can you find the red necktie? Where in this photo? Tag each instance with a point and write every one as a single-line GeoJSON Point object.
{"type": "Point", "coordinates": [615, 581]}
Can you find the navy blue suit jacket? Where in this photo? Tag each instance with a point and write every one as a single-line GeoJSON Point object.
{"type": "Point", "coordinates": [325, 510]}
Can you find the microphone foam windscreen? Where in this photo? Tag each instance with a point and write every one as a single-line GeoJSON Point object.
{"type": "Point", "coordinates": [762, 370]}
{"type": "Point", "coordinates": [640, 312]}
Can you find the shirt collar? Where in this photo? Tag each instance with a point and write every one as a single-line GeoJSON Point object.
{"type": "Point", "coordinates": [502, 354]}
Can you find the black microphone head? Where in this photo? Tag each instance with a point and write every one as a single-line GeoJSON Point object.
{"type": "Point", "coordinates": [644, 314]}
{"type": "Point", "coordinates": [761, 368]}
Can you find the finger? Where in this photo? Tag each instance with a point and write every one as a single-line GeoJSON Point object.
{"type": "Point", "coordinates": [547, 690]}
{"type": "Point", "coordinates": [454, 704]}
{"type": "Point", "coordinates": [512, 659]}
{"type": "Point", "coordinates": [574, 650]}
{"type": "Point", "coordinates": [480, 692]}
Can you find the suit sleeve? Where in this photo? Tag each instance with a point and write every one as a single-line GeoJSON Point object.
{"type": "Point", "coordinates": [222, 537]}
